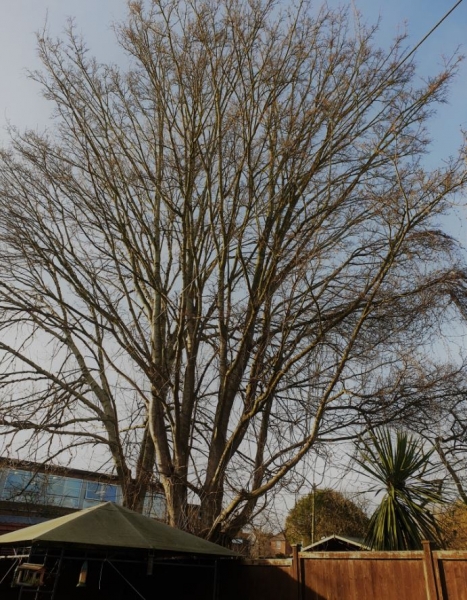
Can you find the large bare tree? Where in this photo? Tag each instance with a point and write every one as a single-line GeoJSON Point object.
{"type": "Point", "coordinates": [224, 257]}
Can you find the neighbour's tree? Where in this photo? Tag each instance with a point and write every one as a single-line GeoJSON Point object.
{"type": "Point", "coordinates": [225, 256]}
{"type": "Point", "coordinates": [453, 524]}
{"type": "Point", "coordinates": [399, 465]}
{"type": "Point", "coordinates": [323, 513]}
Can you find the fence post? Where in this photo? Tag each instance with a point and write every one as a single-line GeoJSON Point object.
{"type": "Point", "coordinates": [296, 570]}
{"type": "Point", "coordinates": [432, 590]}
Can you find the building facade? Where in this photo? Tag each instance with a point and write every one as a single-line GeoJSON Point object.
{"type": "Point", "coordinates": [31, 493]}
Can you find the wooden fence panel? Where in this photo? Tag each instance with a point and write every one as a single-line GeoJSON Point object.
{"type": "Point", "coordinates": [452, 569]}
{"type": "Point", "coordinates": [271, 579]}
{"type": "Point", "coordinates": [362, 576]}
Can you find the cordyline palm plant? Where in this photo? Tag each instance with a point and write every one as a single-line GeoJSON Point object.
{"type": "Point", "coordinates": [401, 466]}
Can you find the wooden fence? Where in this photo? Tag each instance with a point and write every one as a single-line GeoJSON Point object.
{"type": "Point", "coordinates": [418, 575]}
{"type": "Point", "coordinates": [422, 575]}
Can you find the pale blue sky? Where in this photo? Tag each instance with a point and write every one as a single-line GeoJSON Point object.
{"type": "Point", "coordinates": [418, 17]}
{"type": "Point", "coordinates": [20, 100]}
{"type": "Point", "coordinates": [22, 105]}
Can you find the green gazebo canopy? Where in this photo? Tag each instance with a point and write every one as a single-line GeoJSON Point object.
{"type": "Point", "coordinates": [112, 526]}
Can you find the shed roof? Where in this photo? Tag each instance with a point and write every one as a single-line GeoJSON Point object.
{"type": "Point", "coordinates": [112, 526]}
{"type": "Point", "coordinates": [336, 543]}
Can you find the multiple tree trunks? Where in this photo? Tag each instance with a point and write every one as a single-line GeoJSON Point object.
{"type": "Point", "coordinates": [226, 255]}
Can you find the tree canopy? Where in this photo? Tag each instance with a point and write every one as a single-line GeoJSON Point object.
{"type": "Point", "coordinates": [225, 256]}
{"type": "Point", "coordinates": [323, 513]}
{"type": "Point", "coordinates": [453, 524]}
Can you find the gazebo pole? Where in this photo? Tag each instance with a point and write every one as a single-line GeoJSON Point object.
{"type": "Point", "coordinates": [54, 589]}
{"type": "Point", "coordinates": [215, 591]}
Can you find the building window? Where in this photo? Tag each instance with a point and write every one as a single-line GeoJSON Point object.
{"type": "Point", "coordinates": [24, 486]}
{"type": "Point", "coordinates": [154, 506]}
{"type": "Point", "coordinates": [64, 491]}
{"type": "Point", "coordinates": [99, 492]}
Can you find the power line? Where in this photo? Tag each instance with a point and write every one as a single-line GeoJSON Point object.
{"type": "Point", "coordinates": [417, 46]}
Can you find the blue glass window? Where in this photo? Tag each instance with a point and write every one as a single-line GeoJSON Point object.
{"type": "Point", "coordinates": [24, 486]}
{"type": "Point", "coordinates": [154, 506]}
{"type": "Point", "coordinates": [99, 492]}
{"type": "Point", "coordinates": [64, 491]}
